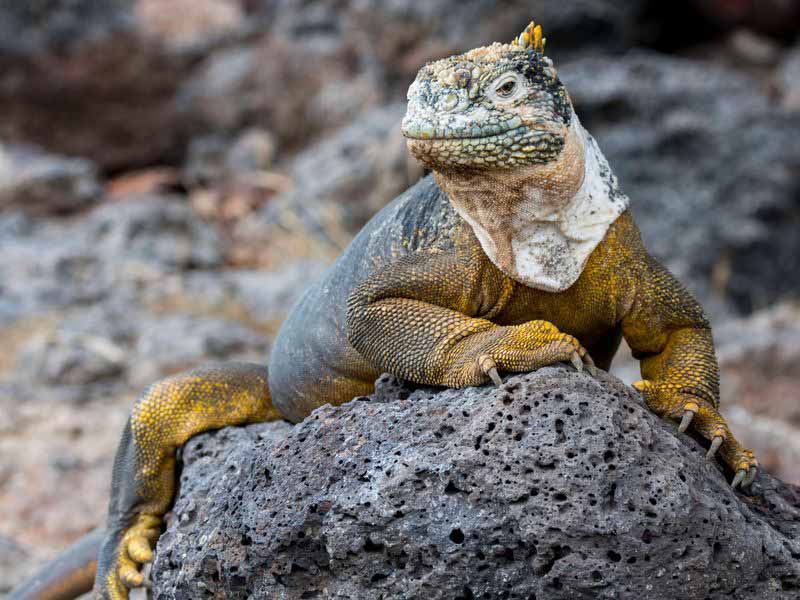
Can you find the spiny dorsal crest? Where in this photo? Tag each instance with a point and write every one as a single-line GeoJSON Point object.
{"type": "Point", "coordinates": [531, 38]}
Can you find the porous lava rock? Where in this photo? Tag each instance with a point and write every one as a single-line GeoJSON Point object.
{"type": "Point", "coordinates": [555, 485]}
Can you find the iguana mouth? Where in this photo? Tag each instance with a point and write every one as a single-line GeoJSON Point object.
{"type": "Point", "coordinates": [422, 130]}
{"type": "Point", "coordinates": [504, 149]}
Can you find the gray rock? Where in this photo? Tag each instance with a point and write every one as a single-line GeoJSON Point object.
{"type": "Point", "coordinates": [113, 252]}
{"type": "Point", "coordinates": [15, 564]}
{"type": "Point", "coordinates": [29, 26]}
{"type": "Point", "coordinates": [46, 265]}
{"type": "Point", "coordinates": [173, 343]}
{"type": "Point", "coordinates": [428, 27]}
{"type": "Point", "coordinates": [788, 79]}
{"type": "Point", "coordinates": [710, 164]}
{"type": "Point", "coordinates": [272, 83]}
{"type": "Point", "coordinates": [340, 182]}
{"type": "Point", "coordinates": [267, 296]}
{"type": "Point", "coordinates": [82, 356]}
{"type": "Point", "coordinates": [109, 108]}
{"type": "Point", "coordinates": [759, 360]}
{"type": "Point", "coordinates": [553, 486]}
{"type": "Point", "coordinates": [73, 360]}
{"type": "Point", "coordinates": [43, 184]}
{"type": "Point", "coordinates": [215, 159]}
{"type": "Point", "coordinates": [155, 231]}
{"type": "Point", "coordinates": [253, 151]}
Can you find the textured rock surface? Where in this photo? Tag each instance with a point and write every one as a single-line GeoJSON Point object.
{"type": "Point", "coordinates": [553, 486]}
{"type": "Point", "coordinates": [42, 184]}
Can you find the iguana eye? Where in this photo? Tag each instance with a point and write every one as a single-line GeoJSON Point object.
{"type": "Point", "coordinates": [505, 90]}
{"type": "Point", "coordinates": [508, 87]}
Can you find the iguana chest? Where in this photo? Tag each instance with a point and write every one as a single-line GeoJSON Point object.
{"type": "Point", "coordinates": [593, 306]}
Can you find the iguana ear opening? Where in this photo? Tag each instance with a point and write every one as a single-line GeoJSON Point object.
{"type": "Point", "coordinates": [531, 38]}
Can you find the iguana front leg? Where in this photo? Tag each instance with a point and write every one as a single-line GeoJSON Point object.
{"type": "Point", "coordinates": [668, 332]}
{"type": "Point", "coordinates": [143, 480]}
{"type": "Point", "coordinates": [427, 319]}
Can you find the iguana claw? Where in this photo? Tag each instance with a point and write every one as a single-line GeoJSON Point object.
{"type": "Point", "coordinates": [130, 577]}
{"type": "Point", "coordinates": [715, 444]}
{"type": "Point", "coordinates": [686, 420]}
{"type": "Point", "coordinates": [577, 362]}
{"type": "Point", "coordinates": [751, 475]}
{"type": "Point", "coordinates": [744, 477]}
{"type": "Point", "coordinates": [489, 367]}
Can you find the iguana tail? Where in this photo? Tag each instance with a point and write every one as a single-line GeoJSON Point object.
{"type": "Point", "coordinates": [67, 576]}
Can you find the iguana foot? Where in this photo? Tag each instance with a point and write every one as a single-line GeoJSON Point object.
{"type": "Point", "coordinates": [530, 346]}
{"type": "Point", "coordinates": [124, 555]}
{"type": "Point", "coordinates": [704, 418]}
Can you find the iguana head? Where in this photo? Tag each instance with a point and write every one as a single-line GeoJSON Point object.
{"type": "Point", "coordinates": [497, 128]}
{"type": "Point", "coordinates": [497, 107]}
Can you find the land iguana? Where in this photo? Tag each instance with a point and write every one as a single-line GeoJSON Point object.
{"type": "Point", "coordinates": [518, 252]}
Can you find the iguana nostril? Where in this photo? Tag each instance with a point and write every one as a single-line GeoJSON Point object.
{"type": "Point", "coordinates": [450, 101]}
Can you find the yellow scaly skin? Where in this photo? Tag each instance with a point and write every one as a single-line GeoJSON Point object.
{"type": "Point", "coordinates": [460, 315]}
{"type": "Point", "coordinates": [417, 295]}
{"type": "Point", "coordinates": [143, 484]}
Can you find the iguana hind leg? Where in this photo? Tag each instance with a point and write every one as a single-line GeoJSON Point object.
{"type": "Point", "coordinates": [143, 482]}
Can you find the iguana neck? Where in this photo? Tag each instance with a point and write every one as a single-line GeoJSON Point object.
{"type": "Point", "coordinates": [540, 224]}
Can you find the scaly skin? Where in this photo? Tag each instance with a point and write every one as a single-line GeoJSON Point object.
{"type": "Point", "coordinates": [435, 289]}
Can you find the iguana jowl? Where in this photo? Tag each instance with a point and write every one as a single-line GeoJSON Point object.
{"type": "Point", "coordinates": [519, 252]}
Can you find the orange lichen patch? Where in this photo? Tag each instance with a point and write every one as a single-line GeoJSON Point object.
{"type": "Point", "coordinates": [145, 181]}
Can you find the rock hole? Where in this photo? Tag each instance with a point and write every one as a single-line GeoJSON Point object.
{"type": "Point", "coordinates": [457, 536]}
{"type": "Point", "coordinates": [451, 489]}
{"type": "Point", "coordinates": [370, 546]}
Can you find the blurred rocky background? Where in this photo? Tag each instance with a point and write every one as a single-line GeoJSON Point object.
{"type": "Point", "coordinates": [173, 174]}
